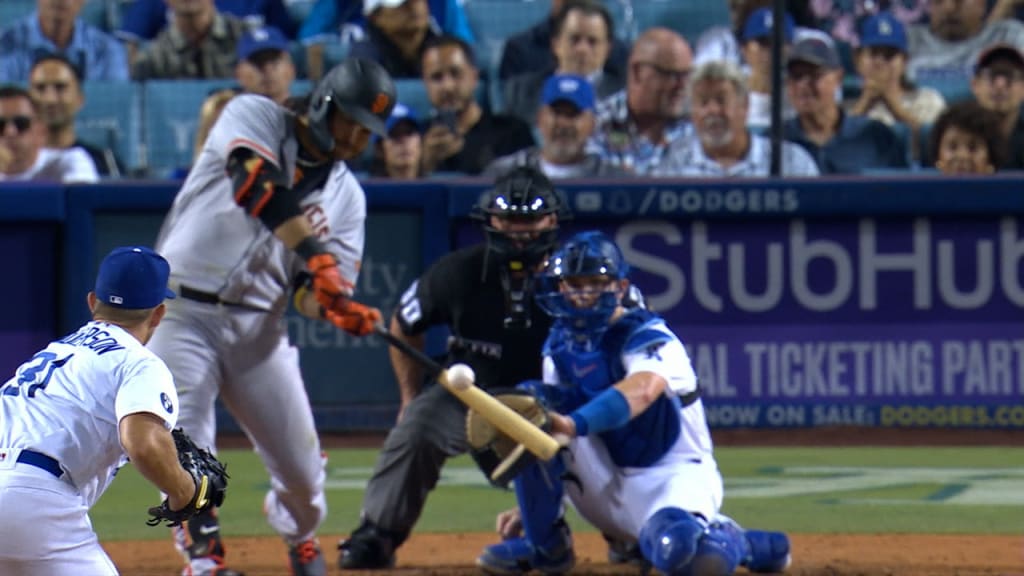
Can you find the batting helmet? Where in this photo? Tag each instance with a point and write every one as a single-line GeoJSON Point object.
{"type": "Point", "coordinates": [362, 89]}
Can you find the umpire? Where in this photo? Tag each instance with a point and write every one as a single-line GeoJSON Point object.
{"type": "Point", "coordinates": [482, 293]}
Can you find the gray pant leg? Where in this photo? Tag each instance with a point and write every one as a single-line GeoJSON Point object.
{"type": "Point", "coordinates": [409, 465]}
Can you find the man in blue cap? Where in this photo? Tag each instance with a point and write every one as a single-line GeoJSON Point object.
{"type": "Point", "coordinates": [264, 64]}
{"type": "Point", "coordinates": [401, 149]}
{"type": "Point", "coordinates": [565, 122]}
{"type": "Point", "coordinates": [77, 411]}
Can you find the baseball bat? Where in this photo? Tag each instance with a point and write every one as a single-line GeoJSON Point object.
{"type": "Point", "coordinates": [510, 422]}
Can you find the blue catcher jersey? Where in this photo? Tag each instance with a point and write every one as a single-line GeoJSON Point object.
{"type": "Point", "coordinates": [638, 341]}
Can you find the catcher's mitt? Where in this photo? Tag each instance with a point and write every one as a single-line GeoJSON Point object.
{"type": "Point", "coordinates": [211, 480]}
{"type": "Point", "coordinates": [500, 457]}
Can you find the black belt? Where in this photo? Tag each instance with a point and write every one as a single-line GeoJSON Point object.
{"type": "Point", "coordinates": [41, 461]}
{"type": "Point", "coordinates": [209, 298]}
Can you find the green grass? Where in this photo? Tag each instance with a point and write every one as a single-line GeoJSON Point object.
{"type": "Point", "coordinates": [939, 490]}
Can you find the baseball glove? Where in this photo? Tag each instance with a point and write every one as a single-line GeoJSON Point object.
{"type": "Point", "coordinates": [499, 457]}
{"type": "Point", "coordinates": [211, 480]}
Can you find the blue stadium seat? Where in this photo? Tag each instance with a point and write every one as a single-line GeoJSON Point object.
{"type": "Point", "coordinates": [95, 12]}
{"type": "Point", "coordinates": [690, 17]}
{"type": "Point", "coordinates": [171, 114]}
{"type": "Point", "coordinates": [298, 10]}
{"type": "Point", "coordinates": [493, 21]}
{"type": "Point", "coordinates": [112, 117]}
{"type": "Point", "coordinates": [954, 87]}
{"type": "Point", "coordinates": [11, 10]}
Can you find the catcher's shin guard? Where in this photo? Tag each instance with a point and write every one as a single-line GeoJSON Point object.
{"type": "Point", "coordinates": [670, 539]}
{"type": "Point", "coordinates": [768, 551]}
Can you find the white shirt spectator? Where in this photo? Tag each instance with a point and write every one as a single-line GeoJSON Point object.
{"type": "Point", "coordinates": [686, 157]}
{"type": "Point", "coordinates": [935, 60]}
{"type": "Point", "coordinates": [69, 166]}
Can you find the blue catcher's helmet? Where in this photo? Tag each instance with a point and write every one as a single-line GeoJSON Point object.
{"type": "Point", "coordinates": [585, 255]}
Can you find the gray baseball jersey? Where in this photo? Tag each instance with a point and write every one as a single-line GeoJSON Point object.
{"type": "Point", "coordinates": [214, 246]}
{"type": "Point", "coordinates": [238, 349]}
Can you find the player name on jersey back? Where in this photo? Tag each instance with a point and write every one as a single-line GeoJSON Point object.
{"type": "Point", "coordinates": [94, 338]}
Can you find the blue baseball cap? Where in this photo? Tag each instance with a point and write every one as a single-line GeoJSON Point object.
{"type": "Point", "coordinates": [883, 29]}
{"type": "Point", "coordinates": [759, 25]}
{"type": "Point", "coordinates": [401, 113]}
{"type": "Point", "coordinates": [569, 88]}
{"type": "Point", "coordinates": [257, 39]}
{"type": "Point", "coordinates": [133, 278]}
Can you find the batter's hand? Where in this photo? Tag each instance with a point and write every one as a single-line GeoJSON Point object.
{"type": "Point", "coordinates": [509, 524]}
{"type": "Point", "coordinates": [329, 287]}
{"type": "Point", "coordinates": [352, 317]}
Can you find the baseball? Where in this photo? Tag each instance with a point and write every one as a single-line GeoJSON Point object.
{"type": "Point", "coordinates": [460, 376]}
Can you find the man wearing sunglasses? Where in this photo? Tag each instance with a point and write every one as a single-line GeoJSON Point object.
{"type": "Point", "coordinates": [22, 156]}
{"type": "Point", "coordinates": [636, 125]}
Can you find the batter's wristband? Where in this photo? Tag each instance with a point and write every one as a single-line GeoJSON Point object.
{"type": "Point", "coordinates": [608, 411]}
{"type": "Point", "coordinates": [309, 247]}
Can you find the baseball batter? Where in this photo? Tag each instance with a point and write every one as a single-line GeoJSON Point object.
{"type": "Point", "coordinates": [74, 413]}
{"type": "Point", "coordinates": [270, 205]}
{"type": "Point", "coordinates": [640, 465]}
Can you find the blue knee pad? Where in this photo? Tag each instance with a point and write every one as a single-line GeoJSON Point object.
{"type": "Point", "coordinates": [670, 539]}
{"type": "Point", "coordinates": [539, 493]}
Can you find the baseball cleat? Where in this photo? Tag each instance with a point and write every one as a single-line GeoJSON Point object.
{"type": "Point", "coordinates": [367, 548]}
{"type": "Point", "coordinates": [306, 559]}
{"type": "Point", "coordinates": [518, 556]}
{"type": "Point", "coordinates": [769, 551]}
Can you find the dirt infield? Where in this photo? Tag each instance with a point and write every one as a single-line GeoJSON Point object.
{"type": "Point", "coordinates": [813, 554]}
{"type": "Point", "coordinates": [453, 554]}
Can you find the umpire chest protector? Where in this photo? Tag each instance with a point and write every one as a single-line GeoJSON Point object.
{"type": "Point", "coordinates": [648, 436]}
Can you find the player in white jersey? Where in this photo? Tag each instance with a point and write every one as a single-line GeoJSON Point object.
{"type": "Point", "coordinates": [269, 205]}
{"type": "Point", "coordinates": [640, 466]}
{"type": "Point", "coordinates": [76, 412]}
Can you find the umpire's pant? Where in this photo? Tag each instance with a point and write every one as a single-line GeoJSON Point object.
{"type": "Point", "coordinates": [432, 430]}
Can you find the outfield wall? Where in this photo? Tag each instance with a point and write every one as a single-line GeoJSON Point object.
{"type": "Point", "coordinates": [882, 302]}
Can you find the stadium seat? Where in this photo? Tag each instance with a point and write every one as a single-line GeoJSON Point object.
{"type": "Point", "coordinates": [298, 10]}
{"type": "Point", "coordinates": [96, 12]}
{"type": "Point", "coordinates": [689, 18]}
{"type": "Point", "coordinates": [954, 87]}
{"type": "Point", "coordinates": [413, 94]}
{"type": "Point", "coordinates": [112, 117]}
{"type": "Point", "coordinates": [493, 21]}
{"type": "Point", "coordinates": [171, 114]}
{"type": "Point", "coordinates": [11, 10]}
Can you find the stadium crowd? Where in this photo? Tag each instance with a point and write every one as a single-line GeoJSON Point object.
{"type": "Point", "coordinates": [587, 90]}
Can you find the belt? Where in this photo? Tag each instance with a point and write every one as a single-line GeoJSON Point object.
{"type": "Point", "coordinates": [41, 461]}
{"type": "Point", "coordinates": [209, 298]}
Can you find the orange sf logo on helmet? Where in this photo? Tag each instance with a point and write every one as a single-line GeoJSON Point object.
{"type": "Point", "coordinates": [380, 103]}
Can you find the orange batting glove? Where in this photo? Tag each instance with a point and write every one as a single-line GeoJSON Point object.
{"type": "Point", "coordinates": [352, 317]}
{"type": "Point", "coordinates": [329, 287]}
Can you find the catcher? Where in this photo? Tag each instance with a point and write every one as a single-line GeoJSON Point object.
{"type": "Point", "coordinates": [74, 413]}
{"type": "Point", "coordinates": [639, 465]}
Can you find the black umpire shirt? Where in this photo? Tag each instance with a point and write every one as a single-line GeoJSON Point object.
{"type": "Point", "coordinates": [454, 292]}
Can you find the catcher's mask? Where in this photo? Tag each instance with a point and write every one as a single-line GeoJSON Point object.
{"type": "Point", "coordinates": [581, 285]}
{"type": "Point", "coordinates": [520, 217]}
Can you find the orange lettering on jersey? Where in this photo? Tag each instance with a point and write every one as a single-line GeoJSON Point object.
{"type": "Point", "coordinates": [380, 103]}
{"type": "Point", "coordinates": [318, 220]}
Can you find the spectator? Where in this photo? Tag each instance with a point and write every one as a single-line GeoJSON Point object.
{"type": "Point", "coordinates": [56, 86]}
{"type": "Point", "coordinates": [724, 43]}
{"type": "Point", "coordinates": [998, 85]}
{"type": "Point", "coordinates": [463, 137]}
{"type": "Point", "coordinates": [581, 41]}
{"type": "Point", "coordinates": [565, 121]}
{"type": "Point", "coordinates": [530, 50]}
{"type": "Point", "coordinates": [333, 20]}
{"type": "Point", "coordinates": [55, 28]}
{"type": "Point", "coordinates": [838, 142]}
{"type": "Point", "coordinates": [398, 155]}
{"type": "Point", "coordinates": [142, 20]}
{"type": "Point", "coordinates": [198, 42]}
{"type": "Point", "coordinates": [636, 125]}
{"type": "Point", "coordinates": [757, 53]}
{"type": "Point", "coordinates": [967, 139]}
{"type": "Point", "coordinates": [944, 49]}
{"type": "Point", "coordinates": [887, 95]}
{"type": "Point", "coordinates": [844, 19]}
{"type": "Point", "coordinates": [264, 64]}
{"type": "Point", "coordinates": [22, 156]}
{"type": "Point", "coordinates": [721, 145]}
{"type": "Point", "coordinates": [397, 32]}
